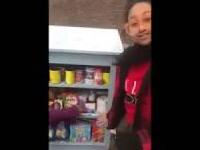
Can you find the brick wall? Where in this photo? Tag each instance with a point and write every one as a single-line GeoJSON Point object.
{"type": "Point", "coordinates": [88, 13]}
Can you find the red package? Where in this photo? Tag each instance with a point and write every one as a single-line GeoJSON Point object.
{"type": "Point", "coordinates": [98, 133]}
{"type": "Point", "coordinates": [98, 76]}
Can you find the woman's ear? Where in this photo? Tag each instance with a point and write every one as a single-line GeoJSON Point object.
{"type": "Point", "coordinates": [126, 28]}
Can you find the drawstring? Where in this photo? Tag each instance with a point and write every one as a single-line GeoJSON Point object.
{"type": "Point", "coordinates": [133, 89]}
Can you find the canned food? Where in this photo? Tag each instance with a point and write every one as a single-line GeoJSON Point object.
{"type": "Point", "coordinates": [106, 78]}
{"type": "Point", "coordinates": [98, 76]}
{"type": "Point", "coordinates": [55, 76]}
{"type": "Point", "coordinates": [89, 75]}
{"type": "Point", "coordinates": [79, 76]}
{"type": "Point", "coordinates": [70, 77]}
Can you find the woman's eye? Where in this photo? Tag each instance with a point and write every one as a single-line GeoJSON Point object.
{"type": "Point", "coordinates": [134, 24]}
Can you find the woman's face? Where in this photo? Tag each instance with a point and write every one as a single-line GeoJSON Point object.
{"type": "Point", "coordinates": [138, 26]}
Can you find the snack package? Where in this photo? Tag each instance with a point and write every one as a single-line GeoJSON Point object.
{"type": "Point", "coordinates": [101, 104]}
{"type": "Point", "coordinates": [62, 95]}
{"type": "Point", "coordinates": [79, 76]}
{"type": "Point", "coordinates": [80, 132]}
{"type": "Point", "coordinates": [83, 97]}
{"type": "Point", "coordinates": [70, 100]}
{"type": "Point", "coordinates": [90, 107]}
{"type": "Point", "coordinates": [58, 104]}
{"type": "Point", "coordinates": [82, 100]}
{"type": "Point", "coordinates": [98, 76]}
{"type": "Point", "coordinates": [98, 133]}
{"type": "Point", "coordinates": [61, 132]}
{"type": "Point", "coordinates": [91, 96]}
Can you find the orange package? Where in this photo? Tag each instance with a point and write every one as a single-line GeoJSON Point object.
{"type": "Point", "coordinates": [98, 133]}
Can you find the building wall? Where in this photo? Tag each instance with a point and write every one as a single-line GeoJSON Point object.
{"type": "Point", "coordinates": [89, 13]}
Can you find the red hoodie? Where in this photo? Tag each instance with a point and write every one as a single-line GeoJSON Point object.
{"type": "Point", "coordinates": [132, 85]}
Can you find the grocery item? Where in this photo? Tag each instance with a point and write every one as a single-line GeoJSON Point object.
{"type": "Point", "coordinates": [106, 78]}
{"type": "Point", "coordinates": [70, 77]}
{"type": "Point", "coordinates": [98, 76]}
{"type": "Point", "coordinates": [79, 76]}
{"type": "Point", "coordinates": [101, 104]}
{"type": "Point", "coordinates": [70, 100]}
{"type": "Point", "coordinates": [58, 104]}
{"type": "Point", "coordinates": [61, 131]}
{"type": "Point", "coordinates": [91, 96]}
{"type": "Point", "coordinates": [82, 100]}
{"type": "Point", "coordinates": [89, 75]}
{"type": "Point", "coordinates": [90, 107]}
{"type": "Point", "coordinates": [83, 97]}
{"type": "Point", "coordinates": [80, 132]}
{"type": "Point", "coordinates": [55, 76]}
{"type": "Point", "coordinates": [98, 133]}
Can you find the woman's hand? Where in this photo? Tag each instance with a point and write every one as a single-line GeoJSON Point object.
{"type": "Point", "coordinates": [113, 131]}
{"type": "Point", "coordinates": [102, 120]}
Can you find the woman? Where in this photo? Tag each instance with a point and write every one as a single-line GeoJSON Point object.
{"type": "Point", "coordinates": [125, 115]}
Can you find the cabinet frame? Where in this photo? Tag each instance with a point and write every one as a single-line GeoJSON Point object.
{"type": "Point", "coordinates": [104, 60]}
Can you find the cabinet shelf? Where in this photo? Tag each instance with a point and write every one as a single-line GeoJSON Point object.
{"type": "Point", "coordinates": [63, 143]}
{"type": "Point", "coordinates": [88, 116]}
{"type": "Point", "coordinates": [79, 85]}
